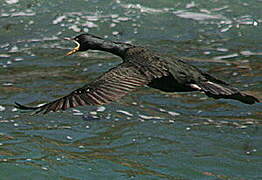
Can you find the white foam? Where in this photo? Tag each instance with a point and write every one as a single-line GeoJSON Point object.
{"type": "Point", "coordinates": [59, 19]}
{"type": "Point", "coordinates": [69, 137]}
{"type": "Point", "coordinates": [2, 108]}
{"type": "Point", "coordinates": [75, 28]}
{"type": "Point", "coordinates": [149, 117]}
{"type": "Point", "coordinates": [78, 114]}
{"type": "Point", "coordinates": [144, 9]}
{"type": "Point", "coordinates": [101, 109]}
{"type": "Point", "coordinates": [226, 56]}
{"type": "Point", "coordinates": [173, 113]}
{"type": "Point", "coordinates": [11, 1]}
{"type": "Point", "coordinates": [197, 16]}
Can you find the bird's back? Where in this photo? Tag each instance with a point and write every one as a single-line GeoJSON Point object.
{"type": "Point", "coordinates": [147, 62]}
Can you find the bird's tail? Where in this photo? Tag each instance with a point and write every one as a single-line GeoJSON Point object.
{"type": "Point", "coordinates": [219, 89]}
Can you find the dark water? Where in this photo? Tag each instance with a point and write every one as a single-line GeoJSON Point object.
{"type": "Point", "coordinates": [148, 134]}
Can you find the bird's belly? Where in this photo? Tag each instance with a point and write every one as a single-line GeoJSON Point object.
{"type": "Point", "coordinates": [169, 84]}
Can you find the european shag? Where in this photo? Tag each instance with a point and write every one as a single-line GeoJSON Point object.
{"type": "Point", "coordinates": [140, 67]}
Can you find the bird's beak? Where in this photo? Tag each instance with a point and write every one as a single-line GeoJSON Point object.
{"type": "Point", "coordinates": [74, 50]}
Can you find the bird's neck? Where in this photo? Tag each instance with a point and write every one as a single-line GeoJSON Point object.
{"type": "Point", "coordinates": [115, 48]}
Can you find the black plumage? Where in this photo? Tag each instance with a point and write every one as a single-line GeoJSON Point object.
{"type": "Point", "coordinates": [140, 67]}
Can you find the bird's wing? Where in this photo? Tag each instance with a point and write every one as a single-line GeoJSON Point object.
{"type": "Point", "coordinates": [109, 87]}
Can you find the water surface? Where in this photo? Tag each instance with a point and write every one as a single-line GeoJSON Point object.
{"type": "Point", "coordinates": [148, 134]}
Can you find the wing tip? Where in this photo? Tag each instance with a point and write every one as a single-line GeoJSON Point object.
{"type": "Point", "coordinates": [28, 108]}
{"type": "Point", "coordinates": [23, 107]}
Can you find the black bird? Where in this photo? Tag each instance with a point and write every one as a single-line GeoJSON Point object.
{"type": "Point", "coordinates": [140, 67]}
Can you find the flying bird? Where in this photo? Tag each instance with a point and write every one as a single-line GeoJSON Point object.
{"type": "Point", "coordinates": [140, 67]}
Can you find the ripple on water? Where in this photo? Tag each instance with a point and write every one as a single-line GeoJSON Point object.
{"type": "Point", "coordinates": [124, 112]}
{"type": "Point", "coordinates": [18, 14]}
{"type": "Point", "coordinates": [197, 16]}
{"type": "Point", "coordinates": [147, 117]}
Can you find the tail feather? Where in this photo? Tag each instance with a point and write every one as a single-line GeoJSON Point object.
{"type": "Point", "coordinates": [217, 91]}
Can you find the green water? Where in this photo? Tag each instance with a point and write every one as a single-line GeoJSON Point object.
{"type": "Point", "coordinates": [148, 134]}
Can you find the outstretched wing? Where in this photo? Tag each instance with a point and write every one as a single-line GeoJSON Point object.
{"type": "Point", "coordinates": [109, 87]}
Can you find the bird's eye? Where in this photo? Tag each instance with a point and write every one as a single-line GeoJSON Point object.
{"type": "Point", "coordinates": [76, 39]}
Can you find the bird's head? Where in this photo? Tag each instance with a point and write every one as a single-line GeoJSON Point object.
{"type": "Point", "coordinates": [83, 42]}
